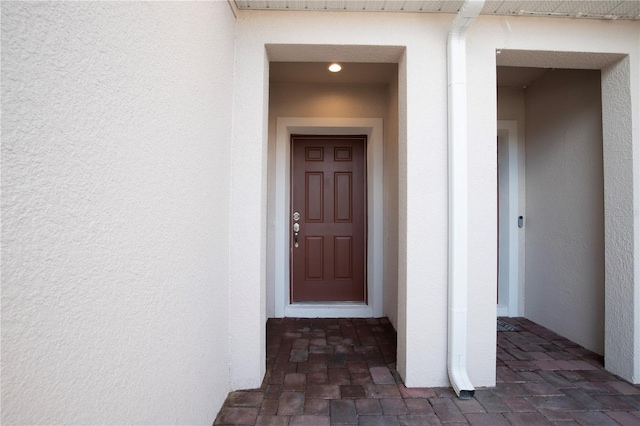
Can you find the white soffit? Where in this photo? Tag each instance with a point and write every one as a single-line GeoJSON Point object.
{"type": "Point", "coordinates": [629, 9]}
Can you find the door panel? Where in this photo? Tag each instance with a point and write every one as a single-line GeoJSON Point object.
{"type": "Point", "coordinates": [328, 190]}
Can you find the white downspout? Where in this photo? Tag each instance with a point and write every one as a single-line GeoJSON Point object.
{"type": "Point", "coordinates": [458, 214]}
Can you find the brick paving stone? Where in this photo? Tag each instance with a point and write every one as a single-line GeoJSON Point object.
{"type": "Point", "coordinates": [345, 368]}
{"type": "Point", "coordinates": [613, 402]}
{"type": "Point", "coordinates": [316, 407]}
{"type": "Point", "coordinates": [271, 420]}
{"type": "Point", "coordinates": [300, 344]}
{"type": "Point", "coordinates": [378, 421]}
{"type": "Point", "coordinates": [469, 406]}
{"type": "Point", "coordinates": [312, 367]}
{"type": "Point", "coordinates": [624, 388]}
{"type": "Point", "coordinates": [504, 356]}
{"type": "Point", "coordinates": [446, 410]}
{"type": "Point", "coordinates": [594, 418]}
{"type": "Point", "coordinates": [624, 418]}
{"type": "Point", "coordinates": [597, 376]}
{"type": "Point", "coordinates": [572, 376]}
{"type": "Point", "coordinates": [582, 365]}
{"type": "Point", "coordinates": [310, 421]}
{"type": "Point", "coordinates": [595, 388]}
{"type": "Point", "coordinates": [343, 411]}
{"type": "Point", "coordinates": [418, 406]}
{"type": "Point", "coordinates": [352, 391]}
{"type": "Point", "coordinates": [276, 378]}
{"type": "Point", "coordinates": [358, 367]}
{"type": "Point", "coordinates": [557, 416]}
{"type": "Point", "coordinates": [295, 382]}
{"type": "Point", "coordinates": [321, 349]}
{"type": "Point", "coordinates": [530, 376]}
{"type": "Point", "coordinates": [344, 349]}
{"type": "Point", "coordinates": [561, 355]}
{"type": "Point", "coordinates": [382, 391]}
{"type": "Point", "coordinates": [269, 407]}
{"type": "Point", "coordinates": [299, 355]}
{"type": "Point", "coordinates": [445, 392]}
{"type": "Point", "coordinates": [317, 357]}
{"type": "Point", "coordinates": [416, 392]}
{"type": "Point", "coordinates": [323, 391]}
{"type": "Point", "coordinates": [361, 378]}
{"type": "Point", "coordinates": [393, 406]}
{"type": "Point", "coordinates": [522, 365]}
{"type": "Point", "coordinates": [368, 406]}
{"type": "Point", "coordinates": [317, 379]}
{"type": "Point", "coordinates": [509, 389]}
{"type": "Point", "coordinates": [237, 416]}
{"type": "Point", "coordinates": [541, 389]}
{"type": "Point", "coordinates": [506, 374]}
{"type": "Point", "coordinates": [486, 419]}
{"type": "Point", "coordinates": [553, 378]}
{"type": "Point", "coordinates": [540, 355]}
{"type": "Point", "coordinates": [491, 403]}
{"type": "Point", "coordinates": [585, 399]}
{"type": "Point", "coordinates": [632, 400]}
{"type": "Point", "coordinates": [381, 376]}
{"type": "Point", "coordinates": [518, 404]}
{"type": "Point", "coordinates": [419, 420]}
{"type": "Point", "coordinates": [337, 361]}
{"type": "Point", "coordinates": [339, 376]}
{"type": "Point", "coordinates": [518, 354]}
{"type": "Point", "coordinates": [273, 392]}
{"type": "Point", "coordinates": [555, 403]}
{"type": "Point", "coordinates": [244, 399]}
{"type": "Point", "coordinates": [291, 403]}
{"type": "Point", "coordinates": [522, 419]}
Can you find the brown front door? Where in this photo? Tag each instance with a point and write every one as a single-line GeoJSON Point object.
{"type": "Point", "coordinates": [328, 210]}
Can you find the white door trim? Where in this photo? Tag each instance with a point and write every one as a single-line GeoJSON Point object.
{"type": "Point", "coordinates": [372, 127]}
{"type": "Point", "coordinates": [509, 288]}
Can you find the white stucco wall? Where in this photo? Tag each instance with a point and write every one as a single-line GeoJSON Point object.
{"type": "Point", "coordinates": [422, 192]}
{"type": "Point", "coordinates": [422, 189]}
{"type": "Point", "coordinates": [565, 206]}
{"type": "Point", "coordinates": [115, 193]}
{"type": "Point", "coordinates": [391, 191]}
{"type": "Point", "coordinates": [612, 48]}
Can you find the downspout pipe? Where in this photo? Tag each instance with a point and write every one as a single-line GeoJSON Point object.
{"type": "Point", "coordinates": [458, 212]}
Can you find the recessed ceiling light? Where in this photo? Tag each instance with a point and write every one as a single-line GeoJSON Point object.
{"type": "Point", "coordinates": [335, 67]}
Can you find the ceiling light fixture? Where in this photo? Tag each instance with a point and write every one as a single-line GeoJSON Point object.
{"type": "Point", "coordinates": [335, 67]}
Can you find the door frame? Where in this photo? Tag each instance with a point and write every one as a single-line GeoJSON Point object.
{"type": "Point", "coordinates": [372, 127]}
{"type": "Point", "coordinates": [508, 289]}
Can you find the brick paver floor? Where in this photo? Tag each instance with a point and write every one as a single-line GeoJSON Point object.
{"type": "Point", "coordinates": [342, 372]}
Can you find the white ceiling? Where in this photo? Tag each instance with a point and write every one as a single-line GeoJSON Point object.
{"type": "Point", "coordinates": [629, 9]}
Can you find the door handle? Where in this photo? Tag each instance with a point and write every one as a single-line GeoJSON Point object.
{"type": "Point", "coordinates": [296, 229]}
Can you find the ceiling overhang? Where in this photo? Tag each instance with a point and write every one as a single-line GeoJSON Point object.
{"type": "Point", "coordinates": [610, 10]}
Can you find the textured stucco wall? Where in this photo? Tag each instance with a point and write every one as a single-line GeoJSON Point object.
{"type": "Point", "coordinates": [328, 100]}
{"type": "Point", "coordinates": [115, 192]}
{"type": "Point", "coordinates": [391, 207]}
{"type": "Point", "coordinates": [565, 206]}
{"type": "Point", "coordinates": [422, 188]}
{"type": "Point", "coordinates": [613, 49]}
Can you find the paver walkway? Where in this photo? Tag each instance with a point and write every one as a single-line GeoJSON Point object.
{"type": "Point", "coordinates": [342, 372]}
